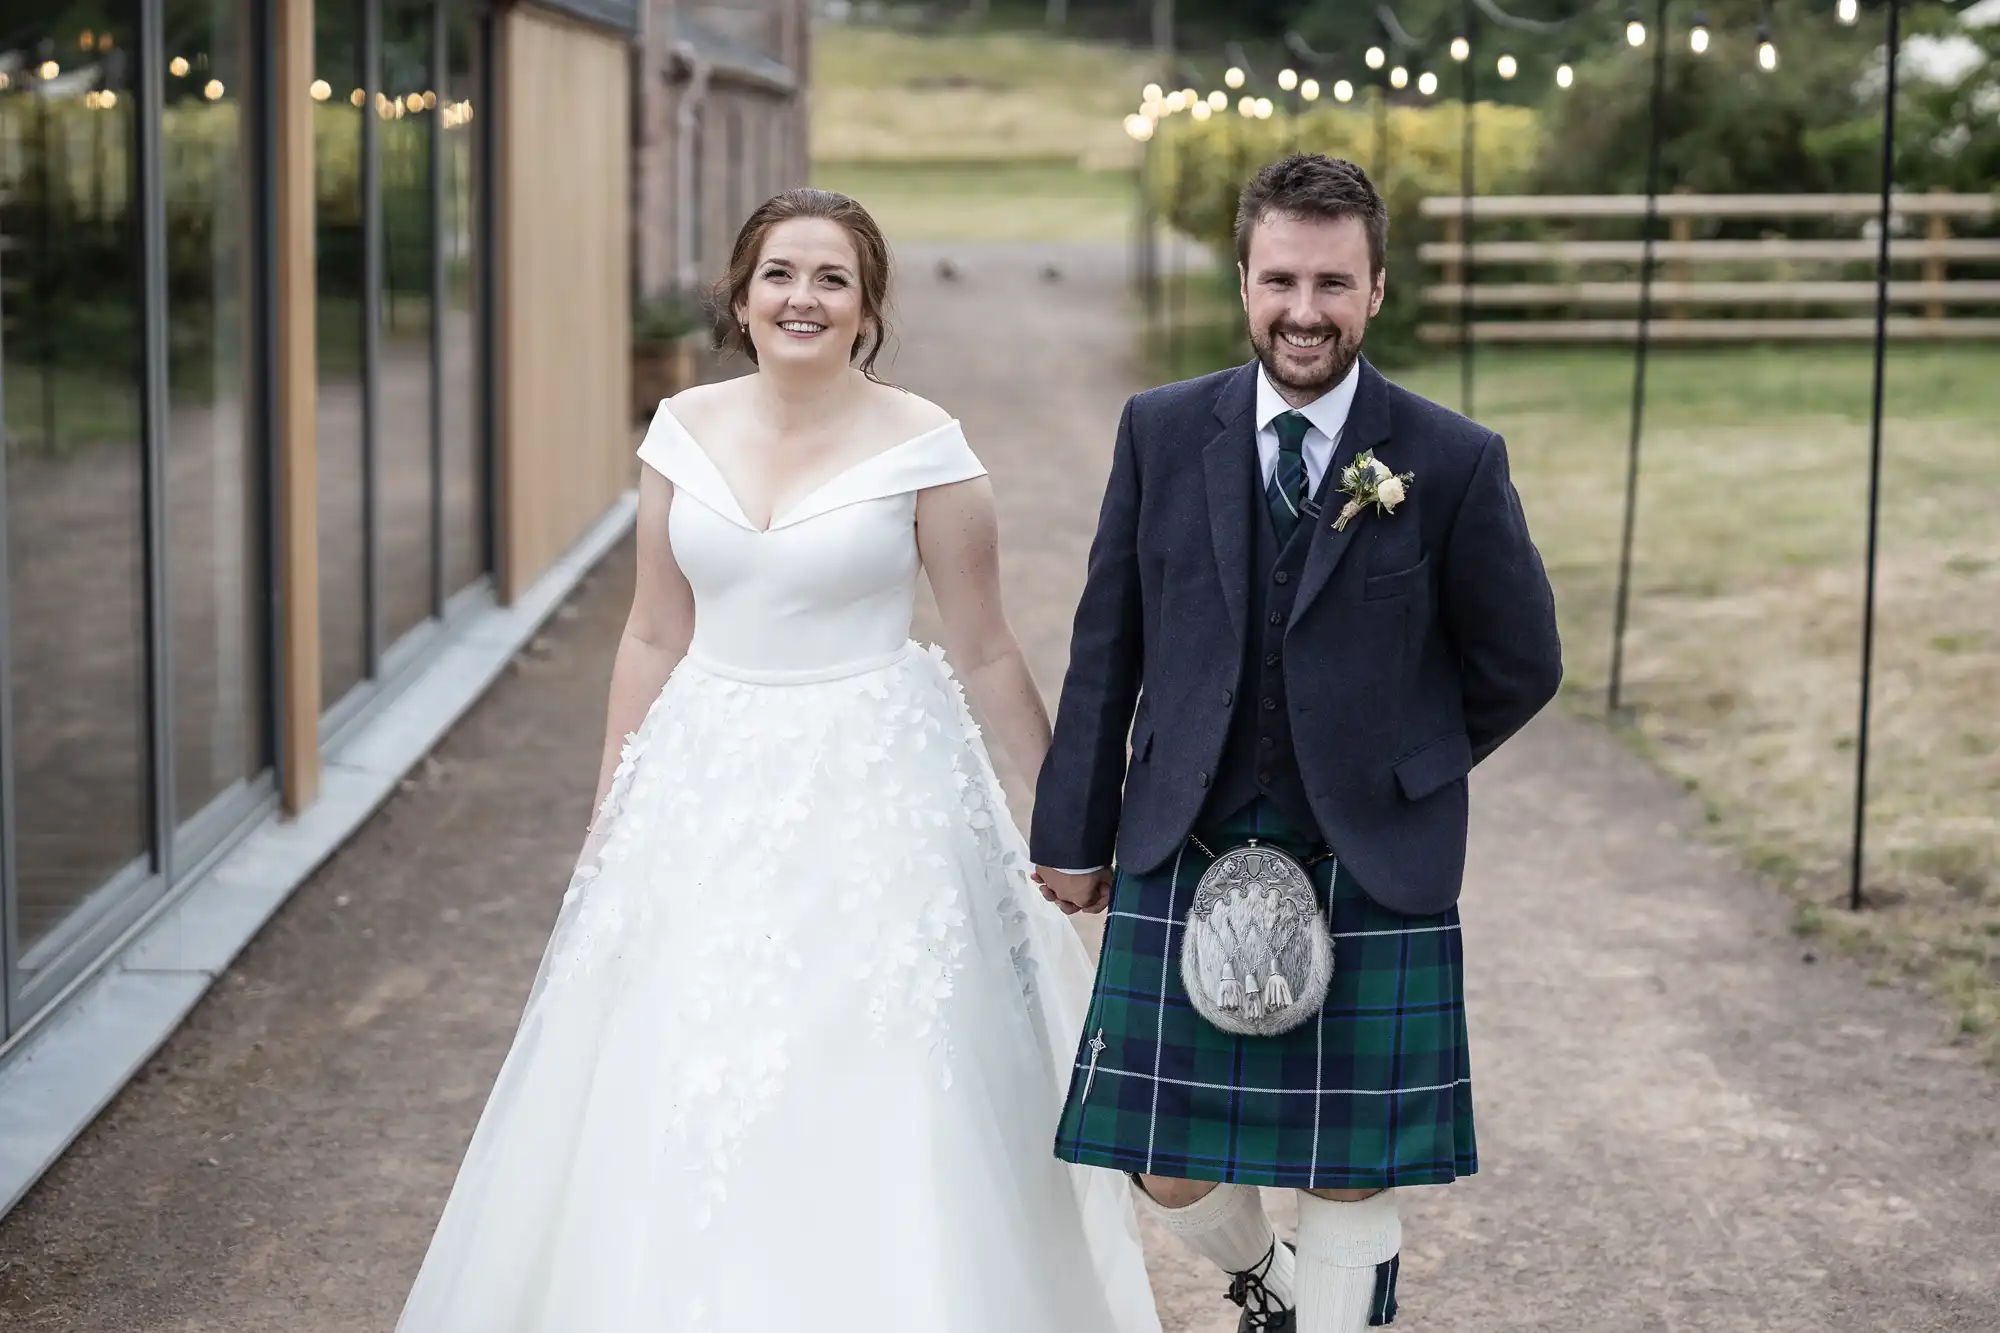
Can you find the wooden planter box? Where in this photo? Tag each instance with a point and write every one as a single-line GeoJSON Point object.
{"type": "Point", "coordinates": [661, 370]}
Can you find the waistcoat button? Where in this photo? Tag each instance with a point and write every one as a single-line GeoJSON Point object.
{"type": "Point", "coordinates": [1283, 576]}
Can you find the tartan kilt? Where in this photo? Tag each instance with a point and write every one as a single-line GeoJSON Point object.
{"type": "Point", "coordinates": [1374, 1093]}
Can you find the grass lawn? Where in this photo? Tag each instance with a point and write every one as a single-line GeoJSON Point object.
{"type": "Point", "coordinates": [993, 201]}
{"type": "Point", "coordinates": [881, 95]}
{"type": "Point", "coordinates": [1743, 647]}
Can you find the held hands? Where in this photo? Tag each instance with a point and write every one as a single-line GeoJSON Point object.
{"type": "Point", "coordinates": [1075, 893]}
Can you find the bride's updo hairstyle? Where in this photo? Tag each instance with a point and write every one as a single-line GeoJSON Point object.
{"type": "Point", "coordinates": [871, 249]}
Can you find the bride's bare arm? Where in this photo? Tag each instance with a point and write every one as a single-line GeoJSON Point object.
{"type": "Point", "coordinates": [657, 629]}
{"type": "Point", "coordinates": [958, 536]}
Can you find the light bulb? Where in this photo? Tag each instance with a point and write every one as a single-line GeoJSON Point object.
{"type": "Point", "coordinates": [1376, 57]}
{"type": "Point", "coordinates": [1508, 67]}
{"type": "Point", "coordinates": [1264, 108]}
{"type": "Point", "coordinates": [1218, 100]}
{"type": "Point", "coordinates": [1767, 54]}
{"type": "Point", "coordinates": [1565, 76]}
{"type": "Point", "coordinates": [1176, 103]}
{"type": "Point", "coordinates": [1246, 106]}
{"type": "Point", "coordinates": [1847, 11]}
{"type": "Point", "coordinates": [1137, 126]}
{"type": "Point", "coordinates": [1399, 77]}
{"type": "Point", "coordinates": [1698, 39]}
{"type": "Point", "coordinates": [213, 90]}
{"type": "Point", "coordinates": [1427, 83]}
{"type": "Point", "coordinates": [1635, 33]}
{"type": "Point", "coordinates": [1288, 79]}
{"type": "Point", "coordinates": [178, 67]}
{"type": "Point", "coordinates": [1201, 111]}
{"type": "Point", "coordinates": [1234, 77]}
{"type": "Point", "coordinates": [1460, 48]}
{"type": "Point", "coordinates": [1309, 90]}
{"type": "Point", "coordinates": [1343, 91]}
{"type": "Point", "coordinates": [321, 90]}
{"type": "Point", "coordinates": [49, 70]}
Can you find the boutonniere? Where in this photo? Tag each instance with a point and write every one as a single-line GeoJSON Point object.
{"type": "Point", "coordinates": [1368, 481]}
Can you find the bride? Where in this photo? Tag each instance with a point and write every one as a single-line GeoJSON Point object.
{"type": "Point", "coordinates": [796, 1050]}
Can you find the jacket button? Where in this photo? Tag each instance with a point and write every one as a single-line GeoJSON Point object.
{"type": "Point", "coordinates": [1268, 741]}
{"type": "Point", "coordinates": [1228, 698]}
{"type": "Point", "coordinates": [1271, 659]}
{"type": "Point", "coordinates": [1201, 779]}
{"type": "Point", "coordinates": [1282, 577]}
{"type": "Point", "coordinates": [1277, 617]}
{"type": "Point", "coordinates": [1263, 779]}
{"type": "Point", "coordinates": [1270, 704]}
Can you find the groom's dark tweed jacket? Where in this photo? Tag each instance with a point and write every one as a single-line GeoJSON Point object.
{"type": "Point", "coordinates": [1416, 641]}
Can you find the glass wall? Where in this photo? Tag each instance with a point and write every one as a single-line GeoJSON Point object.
{"type": "Point", "coordinates": [404, 500]}
{"type": "Point", "coordinates": [137, 653]}
{"type": "Point", "coordinates": [73, 342]}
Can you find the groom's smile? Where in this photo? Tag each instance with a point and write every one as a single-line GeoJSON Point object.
{"type": "Point", "coordinates": [1309, 288]}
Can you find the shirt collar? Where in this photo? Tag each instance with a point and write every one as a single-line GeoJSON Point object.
{"type": "Point", "coordinates": [1328, 412]}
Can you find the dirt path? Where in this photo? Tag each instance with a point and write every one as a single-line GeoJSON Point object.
{"type": "Point", "coordinates": [1685, 1125]}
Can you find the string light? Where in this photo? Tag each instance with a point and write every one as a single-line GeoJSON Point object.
{"type": "Point", "coordinates": [1201, 111]}
{"type": "Point", "coordinates": [1343, 91]}
{"type": "Point", "coordinates": [1399, 77]}
{"type": "Point", "coordinates": [1151, 93]}
{"type": "Point", "coordinates": [1427, 83]}
{"type": "Point", "coordinates": [1767, 50]}
{"type": "Point", "coordinates": [1635, 31]}
{"type": "Point", "coordinates": [320, 90]}
{"type": "Point", "coordinates": [1698, 34]}
{"type": "Point", "coordinates": [1189, 96]}
{"type": "Point", "coordinates": [1376, 57]}
{"type": "Point", "coordinates": [359, 99]}
{"type": "Point", "coordinates": [213, 90]}
{"type": "Point", "coordinates": [1565, 75]}
{"type": "Point", "coordinates": [415, 101]}
{"type": "Point", "coordinates": [178, 67]}
{"type": "Point", "coordinates": [1848, 11]}
{"type": "Point", "coordinates": [1176, 102]}
{"type": "Point", "coordinates": [107, 99]}
{"type": "Point", "coordinates": [1218, 100]}
{"type": "Point", "coordinates": [1139, 127]}
{"type": "Point", "coordinates": [1310, 90]}
{"type": "Point", "coordinates": [1288, 79]}
{"type": "Point", "coordinates": [1233, 77]}
{"type": "Point", "coordinates": [1246, 106]}
{"type": "Point", "coordinates": [1460, 48]}
{"type": "Point", "coordinates": [49, 70]}
{"type": "Point", "coordinates": [1263, 109]}
{"type": "Point", "coordinates": [1508, 66]}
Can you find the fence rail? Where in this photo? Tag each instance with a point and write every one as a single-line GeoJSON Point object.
{"type": "Point", "coordinates": [1569, 307]}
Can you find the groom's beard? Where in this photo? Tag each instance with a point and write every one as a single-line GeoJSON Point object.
{"type": "Point", "coordinates": [1337, 356]}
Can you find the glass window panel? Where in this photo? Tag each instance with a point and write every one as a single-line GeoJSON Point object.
{"type": "Point", "coordinates": [464, 445]}
{"type": "Point", "coordinates": [341, 284]}
{"type": "Point", "coordinates": [406, 108]}
{"type": "Point", "coordinates": [71, 351]}
{"type": "Point", "coordinates": [214, 549]}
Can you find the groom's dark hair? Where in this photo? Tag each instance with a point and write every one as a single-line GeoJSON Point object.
{"type": "Point", "coordinates": [1310, 185]}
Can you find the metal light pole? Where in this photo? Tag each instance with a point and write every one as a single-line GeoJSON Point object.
{"type": "Point", "coordinates": [1883, 219]}
{"type": "Point", "coordinates": [1614, 696]}
{"type": "Point", "coordinates": [1467, 182]}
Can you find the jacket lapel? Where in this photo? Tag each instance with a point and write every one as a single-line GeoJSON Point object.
{"type": "Point", "coordinates": [1367, 426]}
{"type": "Point", "coordinates": [1230, 462]}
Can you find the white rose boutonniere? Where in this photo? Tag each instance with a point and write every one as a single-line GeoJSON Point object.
{"type": "Point", "coordinates": [1368, 481]}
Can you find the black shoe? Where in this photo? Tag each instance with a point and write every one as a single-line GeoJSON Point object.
{"type": "Point", "coordinates": [1261, 1311]}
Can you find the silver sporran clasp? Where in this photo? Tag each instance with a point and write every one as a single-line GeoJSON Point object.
{"type": "Point", "coordinates": [1256, 954]}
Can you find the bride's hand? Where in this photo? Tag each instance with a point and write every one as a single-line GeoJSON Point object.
{"type": "Point", "coordinates": [1075, 893]}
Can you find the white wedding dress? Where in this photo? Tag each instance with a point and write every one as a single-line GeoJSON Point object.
{"type": "Point", "coordinates": [796, 1051]}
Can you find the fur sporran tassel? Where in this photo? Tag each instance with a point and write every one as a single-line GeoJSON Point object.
{"type": "Point", "coordinates": [1277, 992]}
{"type": "Point", "coordinates": [1228, 995]}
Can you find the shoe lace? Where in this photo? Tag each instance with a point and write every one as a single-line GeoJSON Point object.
{"type": "Point", "coordinates": [1248, 1286]}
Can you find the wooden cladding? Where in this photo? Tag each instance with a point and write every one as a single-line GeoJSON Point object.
{"type": "Point", "coordinates": [1779, 288]}
{"type": "Point", "coordinates": [566, 442]}
{"type": "Point", "coordinates": [295, 475]}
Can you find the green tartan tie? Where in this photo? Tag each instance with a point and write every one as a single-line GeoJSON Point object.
{"type": "Point", "coordinates": [1287, 492]}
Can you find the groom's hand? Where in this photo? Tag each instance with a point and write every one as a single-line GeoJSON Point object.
{"type": "Point", "coordinates": [1089, 892]}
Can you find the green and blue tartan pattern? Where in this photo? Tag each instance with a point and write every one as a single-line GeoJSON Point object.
{"type": "Point", "coordinates": [1374, 1093]}
{"type": "Point", "coordinates": [1286, 493]}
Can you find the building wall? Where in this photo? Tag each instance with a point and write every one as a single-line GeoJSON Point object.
{"type": "Point", "coordinates": [713, 139]}
{"type": "Point", "coordinates": [565, 436]}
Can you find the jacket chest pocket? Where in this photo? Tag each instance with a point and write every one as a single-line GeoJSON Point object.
{"type": "Point", "coordinates": [1397, 583]}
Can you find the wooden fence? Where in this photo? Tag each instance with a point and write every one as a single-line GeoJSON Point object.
{"type": "Point", "coordinates": [1779, 288]}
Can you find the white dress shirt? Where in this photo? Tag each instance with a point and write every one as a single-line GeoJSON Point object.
{"type": "Point", "coordinates": [1328, 415]}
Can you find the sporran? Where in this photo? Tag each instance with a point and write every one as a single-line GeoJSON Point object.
{"type": "Point", "coordinates": [1256, 954]}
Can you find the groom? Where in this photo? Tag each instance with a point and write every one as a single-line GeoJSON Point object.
{"type": "Point", "coordinates": [1318, 684]}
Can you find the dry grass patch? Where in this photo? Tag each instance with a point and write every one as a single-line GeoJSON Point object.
{"type": "Point", "coordinates": [1744, 642]}
{"type": "Point", "coordinates": [881, 95]}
